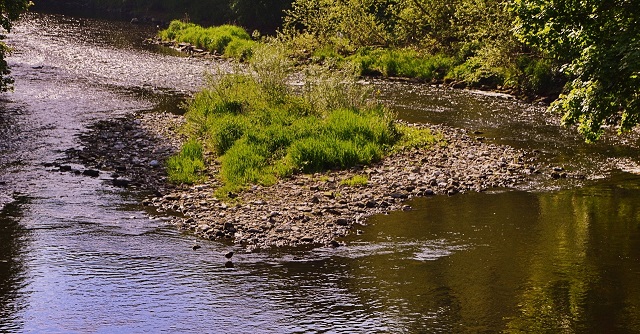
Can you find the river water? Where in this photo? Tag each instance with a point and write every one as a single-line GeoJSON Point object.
{"type": "Point", "coordinates": [80, 256]}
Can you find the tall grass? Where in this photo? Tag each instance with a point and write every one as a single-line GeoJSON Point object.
{"type": "Point", "coordinates": [261, 135]}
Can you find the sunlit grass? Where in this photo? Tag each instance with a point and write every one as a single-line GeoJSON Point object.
{"type": "Point", "coordinates": [403, 63]}
{"type": "Point", "coordinates": [229, 40]}
{"type": "Point", "coordinates": [187, 165]}
{"type": "Point", "coordinates": [356, 181]}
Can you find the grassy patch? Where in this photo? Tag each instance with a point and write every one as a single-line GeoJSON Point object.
{"type": "Point", "coordinates": [356, 181]}
{"type": "Point", "coordinates": [262, 129]}
{"type": "Point", "coordinates": [187, 165]}
{"type": "Point", "coordinates": [229, 40]}
{"type": "Point", "coordinates": [261, 135]}
{"type": "Point", "coordinates": [403, 63]}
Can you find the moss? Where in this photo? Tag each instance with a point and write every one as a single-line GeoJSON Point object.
{"type": "Point", "coordinates": [356, 181]}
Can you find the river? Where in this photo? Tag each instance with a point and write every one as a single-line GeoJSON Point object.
{"type": "Point", "coordinates": [80, 256]}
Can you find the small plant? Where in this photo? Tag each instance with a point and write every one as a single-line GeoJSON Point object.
{"type": "Point", "coordinates": [411, 137]}
{"type": "Point", "coordinates": [356, 181]}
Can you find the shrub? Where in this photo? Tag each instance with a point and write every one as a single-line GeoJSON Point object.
{"type": "Point", "coordinates": [240, 49]}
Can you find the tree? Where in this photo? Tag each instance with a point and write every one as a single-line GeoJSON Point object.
{"type": "Point", "coordinates": [11, 10]}
{"type": "Point", "coordinates": [598, 43]}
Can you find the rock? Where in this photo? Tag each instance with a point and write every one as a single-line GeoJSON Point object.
{"type": "Point", "coordinates": [342, 222]}
{"type": "Point", "coordinates": [228, 264]}
{"type": "Point", "coordinates": [371, 204]}
{"type": "Point", "coordinates": [307, 238]}
{"type": "Point", "coordinates": [154, 163]}
{"type": "Point", "coordinates": [122, 183]}
{"type": "Point", "coordinates": [65, 168]}
{"type": "Point", "coordinates": [196, 247]}
{"type": "Point", "coordinates": [228, 255]}
{"type": "Point", "coordinates": [398, 195]}
{"type": "Point", "coordinates": [334, 244]}
{"type": "Point", "coordinates": [91, 172]}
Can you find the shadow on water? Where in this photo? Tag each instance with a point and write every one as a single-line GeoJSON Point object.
{"type": "Point", "coordinates": [513, 261]}
{"type": "Point", "coordinates": [13, 241]}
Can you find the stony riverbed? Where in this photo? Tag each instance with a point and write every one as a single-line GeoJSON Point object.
{"type": "Point", "coordinates": [316, 209]}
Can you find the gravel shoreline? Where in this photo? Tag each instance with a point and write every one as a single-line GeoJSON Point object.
{"type": "Point", "coordinates": [313, 209]}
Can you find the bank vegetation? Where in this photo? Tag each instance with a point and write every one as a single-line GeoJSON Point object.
{"type": "Point", "coordinates": [261, 128]}
{"type": "Point", "coordinates": [583, 57]}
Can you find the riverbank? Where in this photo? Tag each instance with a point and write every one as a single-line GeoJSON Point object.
{"type": "Point", "coordinates": [317, 209]}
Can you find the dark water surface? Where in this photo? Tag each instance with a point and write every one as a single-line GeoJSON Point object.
{"type": "Point", "coordinates": [79, 256]}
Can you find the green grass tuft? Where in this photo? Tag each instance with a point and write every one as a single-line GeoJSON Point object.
{"type": "Point", "coordinates": [229, 40]}
{"type": "Point", "coordinates": [411, 137]}
{"type": "Point", "coordinates": [356, 181]}
{"type": "Point", "coordinates": [186, 166]}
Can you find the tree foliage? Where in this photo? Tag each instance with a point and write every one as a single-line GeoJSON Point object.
{"type": "Point", "coordinates": [591, 47]}
{"type": "Point", "coordinates": [262, 15]}
{"type": "Point", "coordinates": [598, 43]}
{"type": "Point", "coordinates": [11, 10]}
{"type": "Point", "coordinates": [477, 33]}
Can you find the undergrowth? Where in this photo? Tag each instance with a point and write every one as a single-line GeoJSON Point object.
{"type": "Point", "coordinates": [403, 63]}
